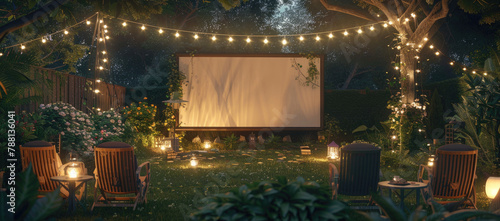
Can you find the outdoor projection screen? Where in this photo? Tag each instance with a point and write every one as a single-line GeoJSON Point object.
{"type": "Point", "coordinates": [248, 92]}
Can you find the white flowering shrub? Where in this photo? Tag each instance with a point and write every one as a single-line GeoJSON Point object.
{"type": "Point", "coordinates": [76, 127]}
{"type": "Point", "coordinates": [109, 126]}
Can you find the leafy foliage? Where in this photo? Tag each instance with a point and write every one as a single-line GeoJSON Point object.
{"type": "Point", "coordinates": [141, 117]}
{"type": "Point", "coordinates": [109, 126]}
{"type": "Point", "coordinates": [231, 142]}
{"type": "Point", "coordinates": [273, 141]}
{"type": "Point", "coordinates": [282, 200]}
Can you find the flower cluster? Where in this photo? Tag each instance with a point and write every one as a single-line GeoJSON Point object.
{"type": "Point", "coordinates": [109, 126]}
{"type": "Point", "coordinates": [75, 126]}
{"type": "Point", "coordinates": [141, 117]}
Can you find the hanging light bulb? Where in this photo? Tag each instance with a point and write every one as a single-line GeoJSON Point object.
{"type": "Point", "coordinates": [177, 34]}
{"type": "Point", "coordinates": [66, 32]}
{"type": "Point", "coordinates": [230, 39]}
{"type": "Point", "coordinates": [266, 41]}
{"type": "Point", "coordinates": [360, 31]}
{"type": "Point", "coordinates": [426, 39]}
{"type": "Point", "coordinates": [464, 69]}
{"type": "Point", "coordinates": [437, 53]}
{"type": "Point", "coordinates": [397, 68]}
{"type": "Point", "coordinates": [101, 67]}
{"type": "Point", "coordinates": [318, 38]}
{"type": "Point", "coordinates": [105, 30]}
{"type": "Point", "coordinates": [101, 21]}
{"type": "Point", "coordinates": [485, 74]}
{"type": "Point", "coordinates": [160, 31]}
{"type": "Point", "coordinates": [284, 42]}
{"type": "Point", "coordinates": [44, 40]}
{"type": "Point", "coordinates": [196, 36]}
{"type": "Point", "coordinates": [100, 39]}
{"type": "Point", "coordinates": [143, 27]}
{"type": "Point", "coordinates": [390, 22]}
{"type": "Point", "coordinates": [248, 40]}
{"type": "Point", "coordinates": [107, 37]}
{"type": "Point", "coordinates": [124, 24]}
{"type": "Point", "coordinates": [330, 35]}
{"type": "Point", "coordinates": [1, 54]}
{"type": "Point", "coordinates": [105, 26]}
{"type": "Point", "coordinates": [103, 52]}
{"type": "Point", "coordinates": [407, 19]}
{"type": "Point", "coordinates": [301, 38]}
{"type": "Point", "coordinates": [431, 46]}
{"type": "Point", "coordinates": [88, 22]}
{"type": "Point", "coordinates": [346, 33]}
{"type": "Point", "coordinates": [413, 15]}
{"type": "Point", "coordinates": [214, 38]}
{"type": "Point", "coordinates": [96, 91]}
{"type": "Point", "coordinates": [385, 25]}
{"type": "Point", "coordinates": [98, 80]}
{"type": "Point", "coordinates": [418, 70]}
{"type": "Point", "coordinates": [104, 60]}
{"type": "Point", "coordinates": [417, 57]}
{"type": "Point", "coordinates": [23, 47]}
{"type": "Point", "coordinates": [372, 28]}
{"type": "Point", "coordinates": [474, 72]}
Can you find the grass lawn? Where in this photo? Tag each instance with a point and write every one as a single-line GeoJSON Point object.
{"type": "Point", "coordinates": [176, 188]}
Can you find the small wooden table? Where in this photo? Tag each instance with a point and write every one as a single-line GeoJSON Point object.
{"type": "Point", "coordinates": [71, 187]}
{"type": "Point", "coordinates": [413, 186]}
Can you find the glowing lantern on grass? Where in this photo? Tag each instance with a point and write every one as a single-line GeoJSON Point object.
{"type": "Point", "coordinates": [333, 150]}
{"type": "Point", "coordinates": [161, 143]}
{"type": "Point", "coordinates": [207, 145]}
{"type": "Point", "coordinates": [194, 161]}
{"type": "Point", "coordinates": [492, 187]}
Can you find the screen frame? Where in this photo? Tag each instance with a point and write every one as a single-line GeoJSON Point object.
{"type": "Point", "coordinates": [290, 55]}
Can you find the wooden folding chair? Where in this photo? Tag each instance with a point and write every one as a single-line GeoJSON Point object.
{"type": "Point", "coordinates": [452, 176]}
{"type": "Point", "coordinates": [118, 178]}
{"type": "Point", "coordinates": [358, 173]}
{"type": "Point", "coordinates": [46, 163]}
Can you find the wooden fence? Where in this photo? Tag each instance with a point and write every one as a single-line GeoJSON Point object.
{"type": "Point", "coordinates": [75, 90]}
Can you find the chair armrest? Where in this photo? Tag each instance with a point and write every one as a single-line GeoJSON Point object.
{"type": "Point", "coordinates": [421, 170]}
{"type": "Point", "coordinates": [334, 173]}
{"type": "Point", "coordinates": [139, 168]}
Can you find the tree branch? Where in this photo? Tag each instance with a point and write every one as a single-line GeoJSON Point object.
{"type": "Point", "coordinates": [411, 8]}
{"type": "Point", "coordinates": [353, 12]}
{"type": "Point", "coordinates": [399, 7]}
{"type": "Point", "coordinates": [439, 11]}
{"type": "Point", "coordinates": [30, 18]}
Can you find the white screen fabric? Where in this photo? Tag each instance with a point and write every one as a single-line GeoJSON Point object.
{"type": "Point", "coordinates": [247, 91]}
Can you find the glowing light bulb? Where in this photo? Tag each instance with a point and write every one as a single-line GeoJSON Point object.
{"type": "Point", "coordinates": [230, 39]}
{"type": "Point", "coordinates": [66, 32]}
{"type": "Point", "coordinates": [23, 47]}
{"type": "Point", "coordinates": [485, 74]}
{"type": "Point", "coordinates": [393, 137]}
{"type": "Point", "coordinates": [196, 36]}
{"type": "Point", "coordinates": [464, 69]}
{"type": "Point", "coordinates": [413, 15]}
{"type": "Point", "coordinates": [330, 35]}
{"type": "Point", "coordinates": [103, 52]}
{"type": "Point", "coordinates": [248, 40]}
{"type": "Point", "coordinates": [1, 54]}
{"type": "Point", "coordinates": [160, 31]}
{"type": "Point", "coordinates": [451, 63]}
{"type": "Point", "coordinates": [398, 47]}
{"type": "Point", "coordinates": [214, 38]}
{"type": "Point", "coordinates": [407, 19]}
{"type": "Point", "coordinates": [98, 80]}
{"type": "Point", "coordinates": [417, 57]}
{"type": "Point", "coordinates": [397, 68]}
{"type": "Point", "coordinates": [431, 46]}
{"type": "Point", "coordinates": [426, 39]}
{"type": "Point", "coordinates": [385, 25]}
{"type": "Point", "coordinates": [284, 42]}
{"type": "Point", "coordinates": [419, 46]}
{"type": "Point", "coordinates": [44, 40]}
{"type": "Point", "coordinates": [104, 60]}
{"type": "Point", "coordinates": [124, 24]}
{"type": "Point", "coordinates": [372, 28]}
{"type": "Point", "coordinates": [107, 37]}
{"type": "Point", "coordinates": [346, 33]}
{"type": "Point", "coordinates": [266, 41]}
{"type": "Point", "coordinates": [318, 38]}
{"type": "Point", "coordinates": [418, 70]}
{"type": "Point", "coordinates": [101, 21]}
{"type": "Point", "coordinates": [143, 27]}
{"type": "Point", "coordinates": [88, 22]}
{"type": "Point", "coordinates": [96, 91]}
{"type": "Point", "coordinates": [390, 22]}
{"type": "Point", "coordinates": [98, 109]}
{"type": "Point", "coordinates": [474, 72]}
{"type": "Point", "coordinates": [100, 39]}
{"type": "Point", "coordinates": [101, 67]}
{"type": "Point", "coordinates": [105, 30]}
{"type": "Point", "coordinates": [301, 38]}
{"type": "Point", "coordinates": [360, 31]}
{"type": "Point", "coordinates": [177, 34]}
{"type": "Point", "coordinates": [437, 53]}
{"type": "Point", "coordinates": [105, 26]}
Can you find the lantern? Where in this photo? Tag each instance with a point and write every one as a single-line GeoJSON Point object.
{"type": "Point", "coordinates": [172, 144]}
{"type": "Point", "coordinates": [431, 160]}
{"type": "Point", "coordinates": [161, 143]}
{"type": "Point", "coordinates": [492, 187]}
{"type": "Point", "coordinates": [333, 151]}
{"type": "Point", "coordinates": [194, 161]}
{"type": "Point", "coordinates": [207, 145]}
{"type": "Point", "coordinates": [73, 170]}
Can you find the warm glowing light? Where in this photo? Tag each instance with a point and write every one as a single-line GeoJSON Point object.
{"type": "Point", "coordinates": [398, 47]}
{"type": "Point", "coordinates": [105, 30]}
{"type": "Point", "coordinates": [107, 37]}
{"type": "Point", "coordinates": [101, 67]}
{"type": "Point", "coordinates": [104, 60]}
{"type": "Point", "coordinates": [73, 171]}
{"type": "Point", "coordinates": [397, 68]}
{"type": "Point", "coordinates": [318, 38]}
{"type": "Point", "coordinates": [492, 186]}
{"type": "Point", "coordinates": [214, 38]}
{"type": "Point", "coordinates": [100, 39]}
{"type": "Point", "coordinates": [419, 46]}
{"type": "Point", "coordinates": [160, 31]}
{"type": "Point", "coordinates": [88, 22]}
{"type": "Point", "coordinates": [437, 52]}
{"type": "Point", "coordinates": [163, 148]}
{"type": "Point", "coordinates": [101, 21]}
{"type": "Point", "coordinates": [451, 63]}
{"type": "Point", "coordinates": [360, 31]}
{"type": "Point", "coordinates": [284, 42]}
{"type": "Point", "coordinates": [143, 27]}
{"type": "Point", "coordinates": [207, 145]}
{"type": "Point", "coordinates": [266, 41]}
{"type": "Point", "coordinates": [464, 69]}
{"type": "Point", "coordinates": [1, 54]}
{"type": "Point", "coordinates": [98, 109]}
{"type": "Point", "coordinates": [474, 72]}
{"type": "Point", "coordinates": [66, 32]}
{"type": "Point", "coordinates": [98, 80]}
{"type": "Point", "coordinates": [390, 22]}
{"type": "Point", "coordinates": [413, 15]}
{"type": "Point", "coordinates": [385, 25]}
{"type": "Point", "coordinates": [426, 39]}
{"type": "Point", "coordinates": [407, 19]}
{"type": "Point", "coordinates": [44, 40]}
{"type": "Point", "coordinates": [194, 162]}
{"type": "Point", "coordinates": [485, 74]}
{"type": "Point", "coordinates": [103, 52]}
{"type": "Point", "coordinates": [372, 28]}
{"type": "Point", "coordinates": [105, 26]}
{"type": "Point", "coordinates": [393, 137]}
{"type": "Point", "coordinates": [346, 33]}
{"type": "Point", "coordinates": [196, 36]}
{"type": "Point", "coordinates": [301, 38]}
{"type": "Point", "coordinates": [418, 70]}
{"type": "Point", "coordinates": [230, 39]}
{"type": "Point", "coordinates": [431, 46]}
{"type": "Point", "coordinates": [330, 35]}
{"type": "Point", "coordinates": [23, 47]}
{"type": "Point", "coordinates": [124, 24]}
{"type": "Point", "coordinates": [177, 34]}
{"type": "Point", "coordinates": [96, 91]}
{"type": "Point", "coordinates": [248, 40]}
{"type": "Point", "coordinates": [417, 57]}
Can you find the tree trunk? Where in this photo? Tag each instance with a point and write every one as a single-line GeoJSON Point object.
{"type": "Point", "coordinates": [407, 65]}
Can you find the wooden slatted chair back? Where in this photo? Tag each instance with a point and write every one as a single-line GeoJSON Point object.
{"type": "Point", "coordinates": [45, 162]}
{"type": "Point", "coordinates": [454, 171]}
{"type": "Point", "coordinates": [115, 166]}
{"type": "Point", "coordinates": [359, 169]}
